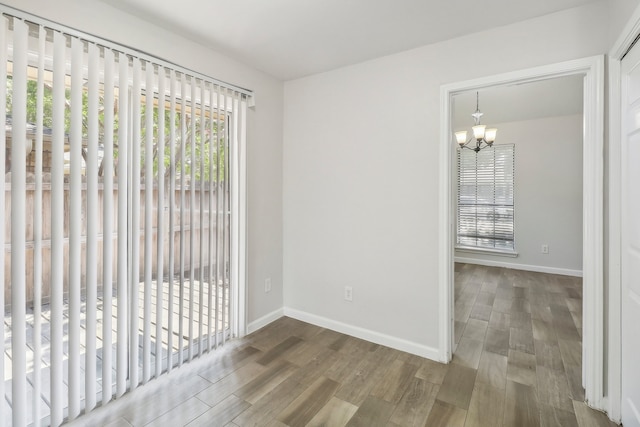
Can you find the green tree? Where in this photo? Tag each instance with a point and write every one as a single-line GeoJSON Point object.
{"type": "Point", "coordinates": [203, 142]}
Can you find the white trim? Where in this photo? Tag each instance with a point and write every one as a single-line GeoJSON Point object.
{"type": "Point", "coordinates": [508, 253]}
{"type": "Point", "coordinates": [365, 334]}
{"type": "Point", "coordinates": [265, 320]}
{"type": "Point", "coordinates": [446, 227]}
{"type": "Point", "coordinates": [614, 280]}
{"type": "Point", "coordinates": [593, 235]}
{"type": "Point", "coordinates": [525, 267]}
{"type": "Point", "coordinates": [614, 321]}
{"type": "Point", "coordinates": [593, 221]}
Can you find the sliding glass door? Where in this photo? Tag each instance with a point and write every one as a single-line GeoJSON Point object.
{"type": "Point", "coordinates": [122, 219]}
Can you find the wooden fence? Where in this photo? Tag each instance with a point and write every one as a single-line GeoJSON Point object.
{"type": "Point", "coordinates": [187, 230]}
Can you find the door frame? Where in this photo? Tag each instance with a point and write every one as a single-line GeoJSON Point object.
{"type": "Point", "coordinates": [614, 277]}
{"type": "Point", "coordinates": [592, 68]}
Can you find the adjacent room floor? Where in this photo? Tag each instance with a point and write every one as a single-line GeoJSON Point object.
{"type": "Point", "coordinates": [517, 363]}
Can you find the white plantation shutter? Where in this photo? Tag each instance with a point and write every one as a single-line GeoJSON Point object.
{"type": "Point", "coordinates": [485, 198]}
{"type": "Point", "coordinates": [123, 223]}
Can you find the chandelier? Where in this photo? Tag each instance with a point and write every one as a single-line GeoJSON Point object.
{"type": "Point", "coordinates": [482, 137]}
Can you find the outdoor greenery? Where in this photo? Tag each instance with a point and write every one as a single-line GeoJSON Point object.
{"type": "Point", "coordinates": [202, 166]}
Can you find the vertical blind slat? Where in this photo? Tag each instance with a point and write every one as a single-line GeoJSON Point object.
{"type": "Point", "coordinates": [211, 182]}
{"type": "Point", "coordinates": [122, 288]}
{"type": "Point", "coordinates": [107, 214]}
{"type": "Point", "coordinates": [192, 205]}
{"type": "Point", "coordinates": [160, 224]}
{"type": "Point", "coordinates": [201, 237]}
{"type": "Point", "coordinates": [3, 215]}
{"type": "Point", "coordinates": [148, 218]}
{"type": "Point", "coordinates": [75, 226]}
{"type": "Point", "coordinates": [225, 222]}
{"type": "Point", "coordinates": [134, 230]}
{"type": "Point", "coordinates": [37, 232]}
{"type": "Point", "coordinates": [92, 226]}
{"type": "Point", "coordinates": [219, 214]}
{"type": "Point", "coordinates": [234, 182]}
{"type": "Point", "coordinates": [238, 216]}
{"type": "Point", "coordinates": [183, 138]}
{"type": "Point", "coordinates": [57, 228]}
{"type": "Point", "coordinates": [172, 203]}
{"type": "Point", "coordinates": [18, 224]}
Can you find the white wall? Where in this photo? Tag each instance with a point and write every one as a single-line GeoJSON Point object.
{"type": "Point", "coordinates": [361, 171]}
{"type": "Point", "coordinates": [619, 13]}
{"type": "Point", "coordinates": [548, 194]}
{"type": "Point", "coordinates": [264, 124]}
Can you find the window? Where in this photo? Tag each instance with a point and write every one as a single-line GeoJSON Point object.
{"type": "Point", "coordinates": [485, 199]}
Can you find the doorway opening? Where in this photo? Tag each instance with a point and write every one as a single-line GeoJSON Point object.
{"type": "Point", "coordinates": [591, 70]}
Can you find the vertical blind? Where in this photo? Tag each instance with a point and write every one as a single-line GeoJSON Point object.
{"type": "Point", "coordinates": [485, 198]}
{"type": "Point", "coordinates": [121, 219]}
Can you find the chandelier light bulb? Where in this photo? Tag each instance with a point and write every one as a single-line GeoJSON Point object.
{"type": "Point", "coordinates": [478, 131]}
{"type": "Point", "coordinates": [490, 135]}
{"type": "Point", "coordinates": [461, 137]}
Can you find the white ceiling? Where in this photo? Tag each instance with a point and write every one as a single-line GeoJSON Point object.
{"type": "Point", "coordinates": [293, 38]}
{"type": "Point", "coordinates": [548, 98]}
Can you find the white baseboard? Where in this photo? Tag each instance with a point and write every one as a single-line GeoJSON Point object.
{"type": "Point", "coordinates": [526, 267]}
{"type": "Point", "coordinates": [264, 320]}
{"type": "Point", "coordinates": [365, 334]}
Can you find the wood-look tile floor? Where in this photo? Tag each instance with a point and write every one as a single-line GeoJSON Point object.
{"type": "Point", "coordinates": [517, 363]}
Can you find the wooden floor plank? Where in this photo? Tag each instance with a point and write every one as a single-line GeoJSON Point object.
{"type": "Point", "coordinates": [588, 417]}
{"type": "Point", "coordinates": [553, 417]}
{"type": "Point", "coordinates": [543, 331]}
{"type": "Point", "coordinates": [500, 321]}
{"type": "Point", "coordinates": [553, 388]}
{"type": "Point", "coordinates": [521, 340]}
{"type": "Point", "coordinates": [222, 413]}
{"type": "Point", "coordinates": [395, 381]}
{"type": "Point", "coordinates": [492, 370]}
{"type": "Point", "coordinates": [416, 403]}
{"type": "Point", "coordinates": [548, 355]}
{"type": "Point", "coordinates": [521, 406]}
{"type": "Point", "coordinates": [468, 353]}
{"type": "Point", "coordinates": [309, 403]}
{"type": "Point", "coordinates": [521, 368]}
{"type": "Point", "coordinates": [497, 341]}
{"type": "Point", "coordinates": [475, 329]}
{"type": "Point", "coordinates": [486, 407]}
{"type": "Point", "coordinates": [336, 413]}
{"type": "Point", "coordinates": [357, 385]}
{"type": "Point", "coordinates": [279, 350]}
{"type": "Point", "coordinates": [457, 386]}
{"type": "Point", "coordinates": [181, 414]}
{"type": "Point", "coordinates": [446, 415]}
{"type": "Point", "coordinates": [270, 405]}
{"type": "Point", "coordinates": [373, 412]}
{"type": "Point", "coordinates": [315, 366]}
{"type": "Point", "coordinates": [431, 371]}
{"type": "Point", "coordinates": [222, 388]}
{"type": "Point", "coordinates": [269, 379]}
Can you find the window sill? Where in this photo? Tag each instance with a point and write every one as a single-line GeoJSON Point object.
{"type": "Point", "coordinates": [511, 253]}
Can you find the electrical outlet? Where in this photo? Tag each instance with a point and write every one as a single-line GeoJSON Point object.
{"type": "Point", "coordinates": [544, 249]}
{"type": "Point", "coordinates": [267, 284]}
{"type": "Point", "coordinates": [348, 293]}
